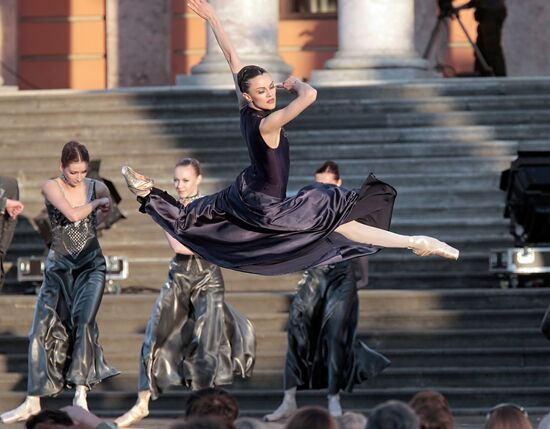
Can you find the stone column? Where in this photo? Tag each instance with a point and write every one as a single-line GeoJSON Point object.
{"type": "Point", "coordinates": [138, 43]}
{"type": "Point", "coordinates": [376, 42]}
{"type": "Point", "coordinates": [252, 26]}
{"type": "Point", "coordinates": [8, 43]}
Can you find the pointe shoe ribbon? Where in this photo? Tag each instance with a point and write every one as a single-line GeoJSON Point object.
{"type": "Point", "coordinates": [133, 415]}
{"type": "Point", "coordinates": [425, 246]}
{"type": "Point", "coordinates": [138, 184]}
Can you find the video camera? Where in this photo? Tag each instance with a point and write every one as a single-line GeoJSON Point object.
{"type": "Point", "coordinates": [446, 8]}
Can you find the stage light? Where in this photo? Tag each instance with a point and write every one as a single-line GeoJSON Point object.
{"type": "Point", "coordinates": [527, 187]}
{"type": "Point", "coordinates": [31, 269]}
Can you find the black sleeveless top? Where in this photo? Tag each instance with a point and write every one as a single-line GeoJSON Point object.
{"type": "Point", "coordinates": [71, 238]}
{"type": "Point", "coordinates": [269, 168]}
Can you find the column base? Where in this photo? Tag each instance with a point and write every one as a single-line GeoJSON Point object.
{"type": "Point", "coordinates": [8, 88]}
{"type": "Point", "coordinates": [362, 70]}
{"type": "Point", "coordinates": [216, 74]}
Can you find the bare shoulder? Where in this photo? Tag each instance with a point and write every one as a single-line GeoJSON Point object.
{"type": "Point", "coordinates": [100, 187]}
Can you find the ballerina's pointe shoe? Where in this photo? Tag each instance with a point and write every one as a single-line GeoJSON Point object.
{"type": "Point", "coordinates": [286, 409]}
{"type": "Point", "coordinates": [133, 415]}
{"type": "Point", "coordinates": [422, 245]}
{"type": "Point", "coordinates": [138, 184]}
{"type": "Point", "coordinates": [19, 414]}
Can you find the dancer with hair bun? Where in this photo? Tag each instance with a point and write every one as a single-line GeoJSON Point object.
{"type": "Point", "coordinates": [252, 225]}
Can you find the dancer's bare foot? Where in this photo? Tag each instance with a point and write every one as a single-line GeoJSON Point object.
{"type": "Point", "coordinates": [137, 413]}
{"type": "Point", "coordinates": [81, 397]}
{"type": "Point", "coordinates": [137, 183]}
{"type": "Point", "coordinates": [286, 409]}
{"type": "Point", "coordinates": [28, 408]}
{"type": "Point", "coordinates": [334, 407]}
{"type": "Point", "coordinates": [422, 245]}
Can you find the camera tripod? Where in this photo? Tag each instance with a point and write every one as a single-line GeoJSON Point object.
{"type": "Point", "coordinates": [442, 20]}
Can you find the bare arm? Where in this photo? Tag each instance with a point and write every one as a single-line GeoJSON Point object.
{"type": "Point", "coordinates": [101, 191]}
{"type": "Point", "coordinates": [52, 193]}
{"type": "Point", "coordinates": [177, 246]}
{"type": "Point", "coordinates": [271, 125]}
{"type": "Point", "coordinates": [207, 12]}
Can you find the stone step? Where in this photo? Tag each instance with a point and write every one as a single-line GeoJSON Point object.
{"type": "Point", "coordinates": [390, 378]}
{"type": "Point", "coordinates": [19, 324]}
{"type": "Point", "coordinates": [370, 300]}
{"type": "Point", "coordinates": [327, 103]}
{"type": "Point", "coordinates": [345, 151]}
{"type": "Point", "coordinates": [257, 402]}
{"type": "Point", "coordinates": [269, 341]}
{"type": "Point", "coordinates": [178, 121]}
{"type": "Point", "coordinates": [515, 358]}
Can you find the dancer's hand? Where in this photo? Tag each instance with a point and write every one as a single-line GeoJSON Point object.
{"type": "Point", "coordinates": [14, 207]}
{"type": "Point", "coordinates": [103, 204]}
{"type": "Point", "coordinates": [202, 8]}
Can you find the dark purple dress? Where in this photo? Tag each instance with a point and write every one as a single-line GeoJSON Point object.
{"type": "Point", "coordinates": [252, 226]}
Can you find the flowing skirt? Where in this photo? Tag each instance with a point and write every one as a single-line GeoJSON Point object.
{"type": "Point", "coordinates": [249, 231]}
{"type": "Point", "coordinates": [193, 337]}
{"type": "Point", "coordinates": [323, 351]}
{"type": "Point", "coordinates": [64, 338]}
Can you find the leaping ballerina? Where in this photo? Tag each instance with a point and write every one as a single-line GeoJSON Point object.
{"type": "Point", "coordinates": [252, 225]}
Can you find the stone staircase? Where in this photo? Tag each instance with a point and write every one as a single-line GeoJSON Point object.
{"type": "Point", "coordinates": [479, 347]}
{"type": "Point", "coordinates": [441, 143]}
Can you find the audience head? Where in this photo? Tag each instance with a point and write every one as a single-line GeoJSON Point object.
{"type": "Point", "coordinates": [212, 402]}
{"type": "Point", "coordinates": [433, 410]}
{"type": "Point", "coordinates": [311, 418]}
{"type": "Point", "coordinates": [249, 423]}
{"type": "Point", "coordinates": [393, 414]}
{"type": "Point", "coordinates": [507, 416]}
{"type": "Point", "coordinates": [47, 419]}
{"type": "Point", "coordinates": [202, 423]}
{"type": "Point", "coordinates": [350, 420]}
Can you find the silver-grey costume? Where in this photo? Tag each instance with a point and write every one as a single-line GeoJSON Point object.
{"type": "Point", "coordinates": [193, 336]}
{"type": "Point", "coordinates": [323, 351]}
{"type": "Point", "coordinates": [63, 341]}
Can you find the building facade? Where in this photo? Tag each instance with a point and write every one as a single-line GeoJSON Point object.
{"type": "Point", "coordinates": [97, 44]}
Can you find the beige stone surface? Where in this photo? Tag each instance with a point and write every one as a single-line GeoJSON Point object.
{"type": "Point", "coordinates": [138, 43]}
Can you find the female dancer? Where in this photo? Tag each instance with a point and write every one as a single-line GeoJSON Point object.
{"type": "Point", "coordinates": [251, 226]}
{"type": "Point", "coordinates": [323, 350]}
{"type": "Point", "coordinates": [63, 341]}
{"type": "Point", "coordinates": [193, 336]}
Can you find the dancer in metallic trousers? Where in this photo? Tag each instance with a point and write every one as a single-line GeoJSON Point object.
{"type": "Point", "coordinates": [193, 337]}
{"type": "Point", "coordinates": [63, 342]}
{"type": "Point", "coordinates": [252, 225]}
{"type": "Point", "coordinates": [323, 351]}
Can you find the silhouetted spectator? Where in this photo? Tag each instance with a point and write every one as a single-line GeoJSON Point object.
{"type": "Point", "coordinates": [312, 418]}
{"type": "Point", "coordinates": [394, 415]}
{"type": "Point", "coordinates": [202, 422]}
{"type": "Point", "coordinates": [490, 15]}
{"type": "Point", "coordinates": [212, 402]}
{"type": "Point", "coordinates": [507, 416]}
{"type": "Point", "coordinates": [433, 410]}
{"type": "Point", "coordinates": [50, 417]}
{"type": "Point", "coordinates": [351, 420]}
